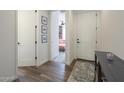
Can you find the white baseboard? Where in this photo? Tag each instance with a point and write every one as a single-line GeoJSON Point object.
{"type": "Point", "coordinates": [41, 63]}
{"type": "Point", "coordinates": [8, 79]}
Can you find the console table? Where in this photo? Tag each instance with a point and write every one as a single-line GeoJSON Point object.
{"type": "Point", "coordinates": [111, 71]}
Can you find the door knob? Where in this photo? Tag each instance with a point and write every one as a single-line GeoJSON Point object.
{"type": "Point", "coordinates": [78, 42]}
{"type": "Point", "coordinates": [18, 43]}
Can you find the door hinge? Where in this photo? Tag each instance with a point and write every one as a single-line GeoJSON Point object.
{"type": "Point", "coordinates": [35, 57]}
{"type": "Point", "coordinates": [96, 28]}
{"type": "Point", "coordinates": [35, 11]}
{"type": "Point", "coordinates": [96, 14]}
{"type": "Point", "coordinates": [96, 42]}
{"type": "Point", "coordinates": [35, 42]}
{"type": "Point", "coordinates": [35, 26]}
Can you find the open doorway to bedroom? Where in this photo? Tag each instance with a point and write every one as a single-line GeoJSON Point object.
{"type": "Point", "coordinates": [58, 36]}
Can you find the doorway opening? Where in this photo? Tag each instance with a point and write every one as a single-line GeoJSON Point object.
{"type": "Point", "coordinates": [58, 36]}
{"type": "Point", "coordinates": [61, 56]}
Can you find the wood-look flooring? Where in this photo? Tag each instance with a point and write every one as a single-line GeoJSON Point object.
{"type": "Point", "coordinates": [48, 72]}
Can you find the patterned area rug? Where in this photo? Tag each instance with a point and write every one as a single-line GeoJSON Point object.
{"type": "Point", "coordinates": [82, 72]}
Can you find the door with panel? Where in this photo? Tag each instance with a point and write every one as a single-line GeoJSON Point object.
{"type": "Point", "coordinates": [26, 38]}
{"type": "Point", "coordinates": [86, 35]}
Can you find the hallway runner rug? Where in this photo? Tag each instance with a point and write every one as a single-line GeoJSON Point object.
{"type": "Point", "coordinates": [82, 72]}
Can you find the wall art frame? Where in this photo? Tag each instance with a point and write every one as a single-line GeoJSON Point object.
{"type": "Point", "coordinates": [44, 20]}
{"type": "Point", "coordinates": [44, 38]}
{"type": "Point", "coordinates": [44, 29]}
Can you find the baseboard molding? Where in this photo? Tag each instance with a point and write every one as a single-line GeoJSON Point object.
{"type": "Point", "coordinates": [85, 60]}
{"type": "Point", "coordinates": [8, 79]}
{"type": "Point", "coordinates": [43, 62]}
{"type": "Point", "coordinates": [74, 60]}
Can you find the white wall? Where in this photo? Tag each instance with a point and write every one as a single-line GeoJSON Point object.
{"type": "Point", "coordinates": [98, 33]}
{"type": "Point", "coordinates": [42, 48]}
{"type": "Point", "coordinates": [54, 34]}
{"type": "Point", "coordinates": [7, 45]}
{"type": "Point", "coordinates": [69, 37]}
{"type": "Point", "coordinates": [75, 33]}
{"type": "Point", "coordinates": [111, 35]}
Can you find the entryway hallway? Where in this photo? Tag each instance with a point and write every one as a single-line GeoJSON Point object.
{"type": "Point", "coordinates": [56, 43]}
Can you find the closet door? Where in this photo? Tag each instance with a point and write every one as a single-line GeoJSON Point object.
{"type": "Point", "coordinates": [26, 38]}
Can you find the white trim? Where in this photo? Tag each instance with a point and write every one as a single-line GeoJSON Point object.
{"type": "Point", "coordinates": [66, 41]}
{"type": "Point", "coordinates": [41, 63]}
{"type": "Point", "coordinates": [16, 63]}
{"type": "Point", "coordinates": [8, 79]}
{"type": "Point", "coordinates": [67, 52]}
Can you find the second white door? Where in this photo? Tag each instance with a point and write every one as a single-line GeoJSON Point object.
{"type": "Point", "coordinates": [26, 38]}
{"type": "Point", "coordinates": [86, 35]}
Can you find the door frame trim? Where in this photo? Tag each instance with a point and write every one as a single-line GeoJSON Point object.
{"type": "Point", "coordinates": [16, 43]}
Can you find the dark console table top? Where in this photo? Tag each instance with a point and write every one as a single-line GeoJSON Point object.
{"type": "Point", "coordinates": [113, 70]}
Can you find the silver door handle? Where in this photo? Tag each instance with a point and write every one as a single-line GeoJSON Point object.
{"type": "Point", "coordinates": [78, 42]}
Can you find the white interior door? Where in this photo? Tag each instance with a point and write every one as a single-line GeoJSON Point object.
{"type": "Point", "coordinates": [54, 34]}
{"type": "Point", "coordinates": [26, 38]}
{"type": "Point", "coordinates": [86, 35]}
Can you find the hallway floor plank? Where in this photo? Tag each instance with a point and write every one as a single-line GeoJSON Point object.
{"type": "Point", "coordinates": [48, 72]}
